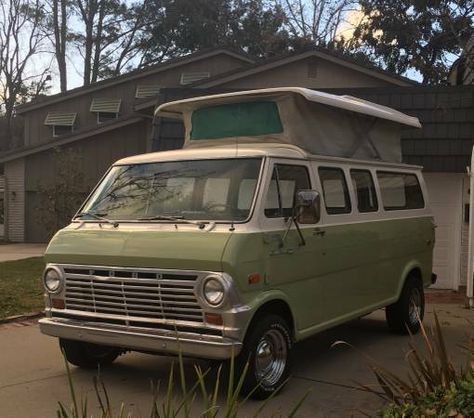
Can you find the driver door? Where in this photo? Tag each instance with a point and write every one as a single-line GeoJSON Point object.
{"type": "Point", "coordinates": [291, 259]}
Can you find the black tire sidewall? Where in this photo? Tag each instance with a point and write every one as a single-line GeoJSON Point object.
{"type": "Point", "coordinates": [398, 314]}
{"type": "Point", "coordinates": [258, 328]}
{"type": "Point", "coordinates": [81, 354]}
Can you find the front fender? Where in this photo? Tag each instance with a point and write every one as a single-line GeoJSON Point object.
{"type": "Point", "coordinates": [264, 298]}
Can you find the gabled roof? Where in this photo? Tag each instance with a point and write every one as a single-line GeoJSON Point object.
{"type": "Point", "coordinates": [172, 63]}
{"type": "Point", "coordinates": [318, 52]}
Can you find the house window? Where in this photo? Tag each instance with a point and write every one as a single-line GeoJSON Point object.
{"type": "Point", "coordinates": [106, 109]}
{"type": "Point", "coordinates": [190, 78]}
{"type": "Point", "coordinates": [147, 90]}
{"type": "Point", "coordinates": [61, 123]}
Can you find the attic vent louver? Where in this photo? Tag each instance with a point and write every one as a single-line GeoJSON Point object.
{"type": "Point", "coordinates": [60, 119]}
{"type": "Point", "coordinates": [189, 78]}
{"type": "Point", "coordinates": [147, 90]}
{"type": "Point", "coordinates": [106, 105]}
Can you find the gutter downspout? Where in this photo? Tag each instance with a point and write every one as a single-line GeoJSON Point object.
{"type": "Point", "coordinates": [470, 257]}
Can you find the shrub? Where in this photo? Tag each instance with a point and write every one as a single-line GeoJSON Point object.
{"type": "Point", "coordinates": [433, 387]}
{"type": "Point", "coordinates": [456, 401]}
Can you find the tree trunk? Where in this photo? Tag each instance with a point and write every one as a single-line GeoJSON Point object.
{"type": "Point", "coordinates": [60, 32]}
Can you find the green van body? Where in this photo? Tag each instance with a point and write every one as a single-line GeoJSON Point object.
{"type": "Point", "coordinates": [346, 269]}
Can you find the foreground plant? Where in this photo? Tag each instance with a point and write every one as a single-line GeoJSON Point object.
{"type": "Point", "coordinates": [174, 404]}
{"type": "Point", "coordinates": [432, 387]}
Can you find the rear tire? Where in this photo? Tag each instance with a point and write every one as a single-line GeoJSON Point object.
{"type": "Point", "coordinates": [266, 349]}
{"type": "Point", "coordinates": [88, 355]}
{"type": "Point", "coordinates": [407, 313]}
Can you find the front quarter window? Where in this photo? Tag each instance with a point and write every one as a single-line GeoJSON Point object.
{"type": "Point", "coordinates": [220, 190]}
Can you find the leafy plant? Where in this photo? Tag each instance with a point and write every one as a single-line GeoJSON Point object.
{"type": "Point", "coordinates": [432, 387]}
{"type": "Point", "coordinates": [173, 404]}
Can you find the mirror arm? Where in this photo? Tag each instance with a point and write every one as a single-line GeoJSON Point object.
{"type": "Point", "coordinates": [303, 242]}
{"type": "Point", "coordinates": [292, 219]}
{"type": "Point", "coordinates": [282, 242]}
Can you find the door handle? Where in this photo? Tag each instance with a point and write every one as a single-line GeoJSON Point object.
{"type": "Point", "coordinates": [320, 232]}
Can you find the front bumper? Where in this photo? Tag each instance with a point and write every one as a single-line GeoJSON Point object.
{"type": "Point", "coordinates": [159, 341]}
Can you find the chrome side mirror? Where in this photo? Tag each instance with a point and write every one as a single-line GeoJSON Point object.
{"type": "Point", "coordinates": [307, 208]}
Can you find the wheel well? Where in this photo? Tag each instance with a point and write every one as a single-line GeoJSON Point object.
{"type": "Point", "coordinates": [277, 307]}
{"type": "Point", "coordinates": [415, 273]}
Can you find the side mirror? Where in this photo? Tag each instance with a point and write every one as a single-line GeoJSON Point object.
{"type": "Point", "coordinates": [307, 208]}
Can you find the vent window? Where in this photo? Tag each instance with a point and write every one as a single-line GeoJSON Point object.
{"type": "Point", "coordinates": [147, 90]}
{"type": "Point", "coordinates": [61, 123]}
{"type": "Point", "coordinates": [190, 78]}
{"type": "Point", "coordinates": [106, 109]}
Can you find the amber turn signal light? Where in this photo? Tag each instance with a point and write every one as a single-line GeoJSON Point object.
{"type": "Point", "coordinates": [58, 303]}
{"type": "Point", "coordinates": [213, 318]}
{"type": "Point", "coordinates": [254, 278]}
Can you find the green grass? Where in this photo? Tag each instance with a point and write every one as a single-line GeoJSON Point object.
{"type": "Point", "coordinates": [21, 290]}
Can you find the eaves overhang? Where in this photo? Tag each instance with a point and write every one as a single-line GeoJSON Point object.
{"type": "Point", "coordinates": [77, 136]}
{"type": "Point", "coordinates": [137, 74]}
{"type": "Point", "coordinates": [233, 75]}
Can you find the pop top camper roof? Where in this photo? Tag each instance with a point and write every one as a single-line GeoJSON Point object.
{"type": "Point", "coordinates": [318, 122]}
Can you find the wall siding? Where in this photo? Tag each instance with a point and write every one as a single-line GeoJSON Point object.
{"type": "Point", "coordinates": [15, 202]}
{"type": "Point", "coordinates": [36, 132]}
{"type": "Point", "coordinates": [95, 155]}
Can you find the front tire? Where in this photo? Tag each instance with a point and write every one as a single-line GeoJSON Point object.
{"type": "Point", "coordinates": [88, 355]}
{"type": "Point", "coordinates": [407, 313]}
{"type": "Point", "coordinates": [266, 349]}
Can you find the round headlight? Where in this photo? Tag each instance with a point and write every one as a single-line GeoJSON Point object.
{"type": "Point", "coordinates": [213, 291]}
{"type": "Point", "coordinates": [52, 280]}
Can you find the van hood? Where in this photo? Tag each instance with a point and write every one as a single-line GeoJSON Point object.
{"type": "Point", "coordinates": [187, 250]}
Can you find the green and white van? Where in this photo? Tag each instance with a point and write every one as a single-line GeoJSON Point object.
{"type": "Point", "coordinates": [287, 212]}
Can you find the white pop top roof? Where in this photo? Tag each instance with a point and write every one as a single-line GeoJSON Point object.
{"type": "Point", "coordinates": [353, 104]}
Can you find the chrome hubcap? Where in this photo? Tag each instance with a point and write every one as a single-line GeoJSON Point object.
{"type": "Point", "coordinates": [415, 306]}
{"type": "Point", "coordinates": [271, 357]}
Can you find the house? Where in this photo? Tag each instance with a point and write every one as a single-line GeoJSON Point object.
{"type": "Point", "coordinates": [113, 118]}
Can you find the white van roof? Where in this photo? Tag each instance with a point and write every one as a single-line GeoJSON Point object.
{"type": "Point", "coordinates": [353, 104]}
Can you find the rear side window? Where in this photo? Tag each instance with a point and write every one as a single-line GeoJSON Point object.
{"type": "Point", "coordinates": [400, 191]}
{"type": "Point", "coordinates": [286, 181]}
{"type": "Point", "coordinates": [364, 188]}
{"type": "Point", "coordinates": [336, 194]}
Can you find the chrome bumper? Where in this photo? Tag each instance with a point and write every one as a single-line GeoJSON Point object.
{"type": "Point", "coordinates": [159, 341]}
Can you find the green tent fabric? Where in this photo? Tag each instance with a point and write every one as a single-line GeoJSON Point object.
{"type": "Point", "coordinates": [236, 120]}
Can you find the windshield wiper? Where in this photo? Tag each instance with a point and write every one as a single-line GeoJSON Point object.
{"type": "Point", "coordinates": [172, 219]}
{"type": "Point", "coordinates": [98, 216]}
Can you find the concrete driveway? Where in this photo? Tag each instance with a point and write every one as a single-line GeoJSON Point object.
{"type": "Point", "coordinates": [10, 252]}
{"type": "Point", "coordinates": [33, 380]}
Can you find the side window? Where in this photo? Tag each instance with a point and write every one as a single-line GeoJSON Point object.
{"type": "Point", "coordinates": [400, 191]}
{"type": "Point", "coordinates": [286, 181]}
{"type": "Point", "coordinates": [246, 191]}
{"type": "Point", "coordinates": [364, 188]}
{"type": "Point", "coordinates": [336, 194]}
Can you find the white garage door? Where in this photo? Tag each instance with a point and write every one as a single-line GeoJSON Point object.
{"type": "Point", "coordinates": [445, 194]}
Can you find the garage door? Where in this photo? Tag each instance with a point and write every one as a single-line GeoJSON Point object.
{"type": "Point", "coordinates": [445, 193]}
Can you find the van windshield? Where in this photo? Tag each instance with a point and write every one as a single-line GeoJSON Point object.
{"type": "Point", "coordinates": [214, 190]}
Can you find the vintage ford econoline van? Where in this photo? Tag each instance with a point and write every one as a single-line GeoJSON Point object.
{"type": "Point", "coordinates": [287, 212]}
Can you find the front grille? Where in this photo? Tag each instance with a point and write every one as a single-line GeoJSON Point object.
{"type": "Point", "coordinates": [132, 293]}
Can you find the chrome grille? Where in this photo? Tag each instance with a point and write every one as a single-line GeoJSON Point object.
{"type": "Point", "coordinates": [132, 293]}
